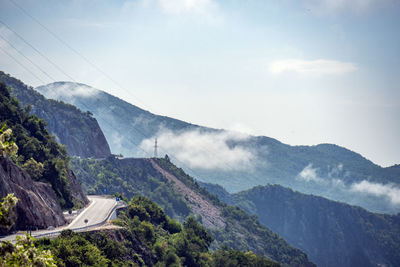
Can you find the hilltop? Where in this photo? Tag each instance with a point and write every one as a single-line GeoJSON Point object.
{"type": "Point", "coordinates": [236, 161]}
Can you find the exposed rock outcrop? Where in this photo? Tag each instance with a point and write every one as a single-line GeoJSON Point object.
{"type": "Point", "coordinates": [38, 206]}
{"type": "Point", "coordinates": [76, 189]}
{"type": "Point", "coordinates": [77, 130]}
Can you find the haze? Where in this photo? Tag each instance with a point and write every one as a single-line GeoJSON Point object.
{"type": "Point", "coordinates": [303, 72]}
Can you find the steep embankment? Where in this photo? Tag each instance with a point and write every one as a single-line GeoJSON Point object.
{"type": "Point", "coordinates": [180, 196]}
{"type": "Point", "coordinates": [210, 213]}
{"type": "Point", "coordinates": [37, 206]}
{"type": "Point", "coordinates": [77, 130]}
{"type": "Point", "coordinates": [331, 233]}
{"type": "Point", "coordinates": [326, 170]}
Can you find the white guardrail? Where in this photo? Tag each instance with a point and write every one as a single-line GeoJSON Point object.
{"type": "Point", "coordinates": [83, 228]}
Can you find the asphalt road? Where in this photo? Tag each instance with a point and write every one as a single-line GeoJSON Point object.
{"type": "Point", "coordinates": [97, 211]}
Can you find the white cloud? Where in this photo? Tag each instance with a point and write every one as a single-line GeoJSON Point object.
{"type": "Point", "coordinates": [309, 174]}
{"type": "Point", "coordinates": [335, 171]}
{"type": "Point", "coordinates": [67, 91]}
{"type": "Point", "coordinates": [319, 66]}
{"type": "Point", "coordinates": [203, 150]}
{"type": "Point", "coordinates": [118, 140]}
{"type": "Point", "coordinates": [338, 183]}
{"type": "Point", "coordinates": [389, 191]}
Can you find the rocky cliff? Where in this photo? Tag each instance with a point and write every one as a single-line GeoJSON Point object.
{"type": "Point", "coordinates": [77, 130]}
{"type": "Point", "coordinates": [76, 190]}
{"type": "Point", "coordinates": [38, 206]}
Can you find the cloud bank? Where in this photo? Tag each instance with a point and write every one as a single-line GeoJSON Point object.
{"type": "Point", "coordinates": [67, 91]}
{"type": "Point", "coordinates": [201, 150]}
{"type": "Point", "coordinates": [319, 66]}
{"type": "Point", "coordinates": [309, 174]}
{"type": "Point", "coordinates": [389, 191]}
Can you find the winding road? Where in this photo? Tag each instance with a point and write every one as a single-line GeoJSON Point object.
{"type": "Point", "coordinates": [96, 214]}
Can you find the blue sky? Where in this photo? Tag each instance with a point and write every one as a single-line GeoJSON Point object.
{"type": "Point", "coordinates": [304, 72]}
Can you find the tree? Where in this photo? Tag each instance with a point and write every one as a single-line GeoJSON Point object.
{"type": "Point", "coordinates": [24, 253]}
{"type": "Point", "coordinates": [7, 146]}
{"type": "Point", "coordinates": [7, 212]}
{"type": "Point", "coordinates": [33, 168]}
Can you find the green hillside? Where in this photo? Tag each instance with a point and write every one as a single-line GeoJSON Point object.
{"type": "Point", "coordinates": [228, 225]}
{"type": "Point", "coordinates": [38, 152]}
{"type": "Point", "coordinates": [331, 233]}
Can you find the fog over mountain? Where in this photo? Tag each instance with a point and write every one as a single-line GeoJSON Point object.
{"type": "Point", "coordinates": [235, 160]}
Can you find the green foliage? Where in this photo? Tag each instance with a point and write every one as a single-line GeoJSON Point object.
{"type": "Point", "coordinates": [25, 253]}
{"type": "Point", "coordinates": [7, 145]}
{"type": "Point", "coordinates": [229, 258]}
{"type": "Point", "coordinates": [33, 168]}
{"type": "Point", "coordinates": [242, 231]}
{"type": "Point", "coordinates": [7, 211]}
{"type": "Point", "coordinates": [146, 239]}
{"type": "Point", "coordinates": [38, 152]}
{"type": "Point", "coordinates": [130, 177]}
{"type": "Point", "coordinates": [74, 250]}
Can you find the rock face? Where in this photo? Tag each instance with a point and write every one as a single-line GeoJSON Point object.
{"type": "Point", "coordinates": [77, 130]}
{"type": "Point", "coordinates": [76, 189]}
{"type": "Point", "coordinates": [38, 206]}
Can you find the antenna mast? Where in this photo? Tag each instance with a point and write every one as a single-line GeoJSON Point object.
{"type": "Point", "coordinates": [155, 148]}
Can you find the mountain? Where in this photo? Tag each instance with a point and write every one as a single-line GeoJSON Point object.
{"type": "Point", "coordinates": [35, 169]}
{"type": "Point", "coordinates": [237, 161]}
{"type": "Point", "coordinates": [331, 233]}
{"type": "Point", "coordinates": [181, 196]}
{"type": "Point", "coordinates": [124, 125]}
{"type": "Point", "coordinates": [77, 130]}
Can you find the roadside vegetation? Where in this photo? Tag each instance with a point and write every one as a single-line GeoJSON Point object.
{"type": "Point", "coordinates": [25, 139]}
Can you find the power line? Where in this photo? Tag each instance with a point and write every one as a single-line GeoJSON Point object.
{"type": "Point", "coordinates": [33, 63]}
{"type": "Point", "coordinates": [37, 51]}
{"type": "Point", "coordinates": [81, 55]}
{"type": "Point", "coordinates": [88, 61]}
{"type": "Point", "coordinates": [19, 63]}
{"type": "Point", "coordinates": [23, 66]}
{"type": "Point", "coordinates": [76, 52]}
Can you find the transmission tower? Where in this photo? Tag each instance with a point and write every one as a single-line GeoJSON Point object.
{"type": "Point", "coordinates": [155, 148]}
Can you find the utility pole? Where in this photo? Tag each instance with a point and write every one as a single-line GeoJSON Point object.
{"type": "Point", "coordinates": [155, 148]}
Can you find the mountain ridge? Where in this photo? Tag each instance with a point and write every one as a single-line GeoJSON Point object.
{"type": "Point", "coordinates": [332, 233]}
{"type": "Point", "coordinates": [327, 170]}
{"type": "Point", "coordinates": [68, 124]}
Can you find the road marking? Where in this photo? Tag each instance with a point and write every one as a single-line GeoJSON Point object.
{"type": "Point", "coordinates": [81, 214]}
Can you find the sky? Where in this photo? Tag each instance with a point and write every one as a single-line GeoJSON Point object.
{"type": "Point", "coordinates": [304, 72]}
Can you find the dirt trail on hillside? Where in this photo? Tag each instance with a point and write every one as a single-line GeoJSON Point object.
{"type": "Point", "coordinates": [211, 215]}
